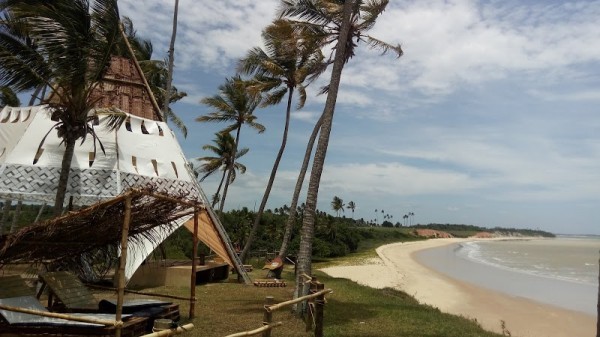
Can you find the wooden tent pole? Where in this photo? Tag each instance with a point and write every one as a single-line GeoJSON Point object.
{"type": "Point", "coordinates": [122, 262]}
{"type": "Point", "coordinates": [194, 255]}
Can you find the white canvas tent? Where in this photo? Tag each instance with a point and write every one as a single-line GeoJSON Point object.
{"type": "Point", "coordinates": [140, 153]}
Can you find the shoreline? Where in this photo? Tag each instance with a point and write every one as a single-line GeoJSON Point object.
{"type": "Point", "coordinates": [397, 268]}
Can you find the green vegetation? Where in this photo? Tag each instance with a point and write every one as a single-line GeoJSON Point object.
{"type": "Point", "coordinates": [463, 231]}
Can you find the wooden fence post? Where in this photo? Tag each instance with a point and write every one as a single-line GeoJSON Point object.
{"type": "Point", "coordinates": [319, 304]}
{"type": "Point", "coordinates": [268, 316]}
{"type": "Point", "coordinates": [310, 304]}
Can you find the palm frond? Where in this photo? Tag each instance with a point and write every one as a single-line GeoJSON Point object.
{"type": "Point", "coordinates": [384, 47]}
{"type": "Point", "coordinates": [275, 97]}
{"type": "Point", "coordinates": [171, 116]}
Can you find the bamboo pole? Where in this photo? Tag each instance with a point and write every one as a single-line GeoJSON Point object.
{"type": "Point", "coordinates": [296, 300]}
{"type": "Point", "coordinates": [256, 331]}
{"type": "Point", "coordinates": [62, 316]}
{"type": "Point", "coordinates": [318, 314]}
{"type": "Point", "coordinates": [170, 332]}
{"type": "Point", "coordinates": [268, 315]}
{"type": "Point", "coordinates": [194, 254]}
{"type": "Point", "coordinates": [138, 292]}
{"type": "Point", "coordinates": [122, 262]}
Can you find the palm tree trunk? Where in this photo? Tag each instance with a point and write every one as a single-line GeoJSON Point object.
{"type": "Point", "coordinates": [289, 225]}
{"type": "Point", "coordinates": [216, 197]}
{"type": "Point", "coordinates": [225, 191]}
{"type": "Point", "coordinates": [63, 181]}
{"type": "Point", "coordinates": [304, 263]}
{"type": "Point", "coordinates": [231, 168]}
{"type": "Point", "coordinates": [16, 216]}
{"type": "Point", "coordinates": [598, 305]}
{"type": "Point", "coordinates": [167, 98]}
{"type": "Point", "coordinates": [4, 218]}
{"type": "Point", "coordinates": [263, 203]}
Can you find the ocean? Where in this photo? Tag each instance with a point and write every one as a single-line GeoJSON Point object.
{"type": "Point", "coordinates": [562, 271]}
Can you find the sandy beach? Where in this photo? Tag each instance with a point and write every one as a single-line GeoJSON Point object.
{"type": "Point", "coordinates": [397, 268]}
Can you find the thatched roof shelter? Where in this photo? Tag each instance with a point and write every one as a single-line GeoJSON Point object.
{"type": "Point", "coordinates": [96, 228]}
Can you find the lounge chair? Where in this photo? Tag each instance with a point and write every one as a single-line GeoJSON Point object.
{"type": "Point", "coordinates": [68, 294]}
{"type": "Point", "coordinates": [15, 293]}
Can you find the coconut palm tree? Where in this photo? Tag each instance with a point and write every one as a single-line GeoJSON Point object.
{"type": "Point", "coordinates": [298, 188]}
{"type": "Point", "coordinates": [351, 206]}
{"type": "Point", "coordinates": [281, 68]}
{"type": "Point", "coordinates": [225, 158]}
{"type": "Point", "coordinates": [234, 104]}
{"type": "Point", "coordinates": [8, 97]}
{"type": "Point", "coordinates": [73, 42]}
{"type": "Point", "coordinates": [337, 205]}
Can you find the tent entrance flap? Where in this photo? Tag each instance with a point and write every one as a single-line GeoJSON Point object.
{"type": "Point", "coordinates": [210, 236]}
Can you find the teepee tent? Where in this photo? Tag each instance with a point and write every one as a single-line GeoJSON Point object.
{"type": "Point", "coordinates": [142, 152]}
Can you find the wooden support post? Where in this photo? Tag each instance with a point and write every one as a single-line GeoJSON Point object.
{"type": "Point", "coordinates": [310, 305]}
{"type": "Point", "coordinates": [268, 316]}
{"type": "Point", "coordinates": [319, 303]}
{"type": "Point", "coordinates": [194, 254]}
{"type": "Point", "coordinates": [122, 262]}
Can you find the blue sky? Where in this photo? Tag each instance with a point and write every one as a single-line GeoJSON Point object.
{"type": "Point", "coordinates": [490, 118]}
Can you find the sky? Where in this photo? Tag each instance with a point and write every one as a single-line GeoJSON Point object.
{"type": "Point", "coordinates": [491, 117]}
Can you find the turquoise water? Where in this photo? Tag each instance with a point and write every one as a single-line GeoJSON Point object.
{"type": "Point", "coordinates": [562, 271]}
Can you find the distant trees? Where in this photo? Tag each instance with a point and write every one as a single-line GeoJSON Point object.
{"type": "Point", "coordinates": [351, 206]}
{"type": "Point", "coordinates": [337, 205]}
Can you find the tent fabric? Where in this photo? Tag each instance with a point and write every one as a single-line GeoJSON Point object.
{"type": "Point", "coordinates": [209, 235]}
{"type": "Point", "coordinates": [133, 157]}
{"type": "Point", "coordinates": [140, 153]}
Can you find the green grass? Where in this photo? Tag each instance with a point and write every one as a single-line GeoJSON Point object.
{"type": "Point", "coordinates": [351, 310]}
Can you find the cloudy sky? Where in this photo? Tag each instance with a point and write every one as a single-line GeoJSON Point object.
{"type": "Point", "coordinates": [492, 116]}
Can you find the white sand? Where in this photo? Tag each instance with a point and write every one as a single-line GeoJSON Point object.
{"type": "Point", "coordinates": [396, 268]}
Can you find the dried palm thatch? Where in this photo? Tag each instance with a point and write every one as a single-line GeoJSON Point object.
{"type": "Point", "coordinates": [94, 233]}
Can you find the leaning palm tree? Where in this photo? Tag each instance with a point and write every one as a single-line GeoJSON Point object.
{"type": "Point", "coordinates": [223, 148]}
{"type": "Point", "coordinates": [337, 205]}
{"type": "Point", "coordinates": [73, 42]}
{"type": "Point", "coordinates": [342, 24]}
{"type": "Point", "coordinates": [286, 63]}
{"type": "Point", "coordinates": [234, 104]}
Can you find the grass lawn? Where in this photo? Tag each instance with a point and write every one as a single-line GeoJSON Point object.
{"type": "Point", "coordinates": [351, 311]}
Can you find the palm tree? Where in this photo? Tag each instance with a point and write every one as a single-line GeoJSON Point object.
{"type": "Point", "coordinates": [234, 104]}
{"type": "Point", "coordinates": [298, 188]}
{"type": "Point", "coordinates": [224, 159]}
{"type": "Point", "coordinates": [351, 206]}
{"type": "Point", "coordinates": [279, 70]}
{"type": "Point", "coordinates": [73, 43]}
{"type": "Point", "coordinates": [337, 205]}
{"type": "Point", "coordinates": [405, 217]}
{"type": "Point", "coordinates": [8, 97]}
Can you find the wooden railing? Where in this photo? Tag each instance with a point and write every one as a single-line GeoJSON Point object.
{"type": "Point", "coordinates": [315, 303]}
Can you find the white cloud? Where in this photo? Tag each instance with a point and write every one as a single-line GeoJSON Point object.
{"type": "Point", "coordinates": [306, 116]}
